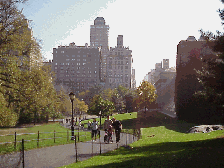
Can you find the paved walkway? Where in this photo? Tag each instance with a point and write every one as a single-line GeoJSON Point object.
{"type": "Point", "coordinates": [57, 156]}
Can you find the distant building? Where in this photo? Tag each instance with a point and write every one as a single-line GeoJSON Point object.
{"type": "Point", "coordinates": [165, 63]}
{"type": "Point", "coordinates": [133, 83]}
{"type": "Point", "coordinates": [99, 33]}
{"type": "Point", "coordinates": [77, 67]}
{"type": "Point", "coordinates": [119, 66]}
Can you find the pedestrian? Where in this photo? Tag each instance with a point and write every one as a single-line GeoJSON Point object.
{"type": "Point", "coordinates": [94, 128]}
{"type": "Point", "coordinates": [118, 127]}
{"type": "Point", "coordinates": [107, 123]}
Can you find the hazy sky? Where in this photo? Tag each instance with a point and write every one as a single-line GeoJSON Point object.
{"type": "Point", "coordinates": [152, 29]}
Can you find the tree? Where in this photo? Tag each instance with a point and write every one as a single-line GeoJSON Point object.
{"type": "Point", "coordinates": [99, 104]}
{"type": "Point", "coordinates": [211, 77]}
{"type": "Point", "coordinates": [146, 95]}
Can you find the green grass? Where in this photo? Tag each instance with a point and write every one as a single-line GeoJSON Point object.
{"type": "Point", "coordinates": [84, 136]}
{"type": "Point", "coordinates": [49, 128]}
{"type": "Point", "coordinates": [164, 143]}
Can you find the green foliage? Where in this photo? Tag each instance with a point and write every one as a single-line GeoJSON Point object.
{"type": "Point", "coordinates": [99, 104]}
{"type": "Point", "coordinates": [7, 116]}
{"type": "Point", "coordinates": [26, 86]}
{"type": "Point", "coordinates": [146, 95]}
{"type": "Point", "coordinates": [211, 77]}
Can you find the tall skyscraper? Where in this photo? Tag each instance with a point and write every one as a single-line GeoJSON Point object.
{"type": "Point", "coordinates": [99, 33]}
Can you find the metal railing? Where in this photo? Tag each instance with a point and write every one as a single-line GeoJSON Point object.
{"type": "Point", "coordinates": [38, 139]}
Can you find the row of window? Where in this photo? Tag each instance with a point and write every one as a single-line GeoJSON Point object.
{"type": "Point", "coordinates": [118, 75]}
{"type": "Point", "coordinates": [73, 68]}
{"type": "Point", "coordinates": [81, 75]}
{"type": "Point", "coordinates": [71, 64]}
{"type": "Point", "coordinates": [73, 71]}
{"type": "Point", "coordinates": [118, 62]}
{"type": "Point", "coordinates": [118, 58]}
{"type": "Point", "coordinates": [117, 67]}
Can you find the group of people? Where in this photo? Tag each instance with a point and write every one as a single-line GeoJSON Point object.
{"type": "Point", "coordinates": [108, 124]}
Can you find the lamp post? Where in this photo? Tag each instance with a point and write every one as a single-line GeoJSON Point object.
{"type": "Point", "coordinates": [100, 123]}
{"type": "Point", "coordinates": [100, 118]}
{"type": "Point", "coordinates": [72, 97]}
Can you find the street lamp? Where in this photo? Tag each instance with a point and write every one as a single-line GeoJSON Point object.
{"type": "Point", "coordinates": [100, 118]}
{"type": "Point", "coordinates": [100, 122]}
{"type": "Point", "coordinates": [72, 97]}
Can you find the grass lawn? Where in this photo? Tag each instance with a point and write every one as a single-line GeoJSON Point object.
{"type": "Point", "coordinates": [164, 143]}
{"type": "Point", "coordinates": [45, 130]}
{"type": "Point", "coordinates": [49, 133]}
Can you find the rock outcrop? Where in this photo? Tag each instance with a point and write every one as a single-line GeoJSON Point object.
{"type": "Point", "coordinates": [205, 128]}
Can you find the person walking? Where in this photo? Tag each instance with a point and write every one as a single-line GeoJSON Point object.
{"type": "Point", "coordinates": [107, 123]}
{"type": "Point", "coordinates": [118, 127]}
{"type": "Point", "coordinates": [94, 128]}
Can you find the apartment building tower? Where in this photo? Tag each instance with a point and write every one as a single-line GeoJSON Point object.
{"type": "Point", "coordinates": [99, 33]}
{"type": "Point", "coordinates": [165, 63]}
{"type": "Point", "coordinates": [77, 67]}
{"type": "Point", "coordinates": [119, 66]}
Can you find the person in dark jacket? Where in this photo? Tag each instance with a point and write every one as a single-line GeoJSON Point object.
{"type": "Point", "coordinates": [118, 127]}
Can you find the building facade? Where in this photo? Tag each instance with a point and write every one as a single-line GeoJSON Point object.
{"type": "Point", "coordinates": [99, 33]}
{"type": "Point", "coordinates": [165, 63]}
{"type": "Point", "coordinates": [119, 66]}
{"type": "Point", "coordinates": [77, 67]}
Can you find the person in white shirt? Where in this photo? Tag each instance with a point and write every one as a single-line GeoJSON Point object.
{"type": "Point", "coordinates": [94, 128]}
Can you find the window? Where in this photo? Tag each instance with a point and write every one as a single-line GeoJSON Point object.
{"type": "Point", "coordinates": [55, 67]}
{"type": "Point", "coordinates": [84, 59]}
{"type": "Point", "coordinates": [78, 63]}
{"type": "Point", "coordinates": [73, 59]}
{"type": "Point", "coordinates": [126, 67]}
{"type": "Point", "coordinates": [61, 67]}
{"type": "Point", "coordinates": [95, 72]}
{"type": "Point", "coordinates": [83, 63]}
{"type": "Point", "coordinates": [62, 52]}
{"type": "Point", "coordinates": [78, 55]}
{"type": "Point", "coordinates": [73, 55]}
{"type": "Point", "coordinates": [78, 59]}
{"type": "Point", "coordinates": [55, 51]}
{"type": "Point", "coordinates": [84, 55]}
{"type": "Point", "coordinates": [67, 59]}
{"type": "Point", "coordinates": [56, 63]}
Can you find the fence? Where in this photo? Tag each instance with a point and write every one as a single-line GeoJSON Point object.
{"type": "Point", "coordinates": [54, 137]}
{"type": "Point", "coordinates": [126, 139]}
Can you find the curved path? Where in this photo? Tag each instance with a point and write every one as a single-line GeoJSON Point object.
{"type": "Point", "coordinates": [61, 155]}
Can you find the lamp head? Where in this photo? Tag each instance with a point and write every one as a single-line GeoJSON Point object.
{"type": "Point", "coordinates": [72, 96]}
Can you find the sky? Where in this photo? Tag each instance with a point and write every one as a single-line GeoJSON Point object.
{"type": "Point", "coordinates": [151, 29]}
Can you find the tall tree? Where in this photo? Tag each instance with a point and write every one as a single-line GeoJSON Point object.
{"type": "Point", "coordinates": [146, 95]}
{"type": "Point", "coordinates": [210, 98]}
